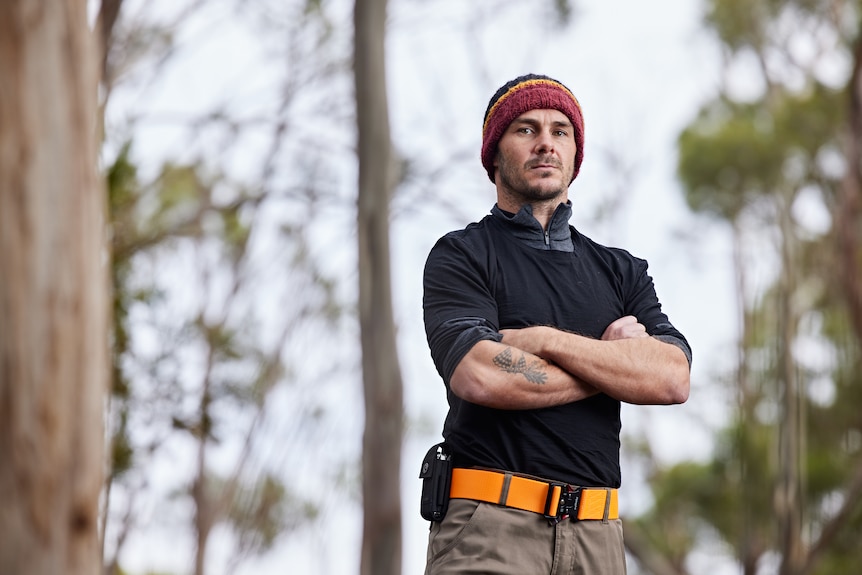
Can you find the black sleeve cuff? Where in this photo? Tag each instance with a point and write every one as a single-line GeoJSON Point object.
{"type": "Point", "coordinates": [468, 332]}
{"type": "Point", "coordinates": [677, 342]}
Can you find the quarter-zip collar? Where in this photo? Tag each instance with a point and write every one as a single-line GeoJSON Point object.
{"type": "Point", "coordinates": [528, 230]}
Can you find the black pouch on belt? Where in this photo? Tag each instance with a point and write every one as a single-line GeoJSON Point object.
{"type": "Point", "coordinates": [436, 475]}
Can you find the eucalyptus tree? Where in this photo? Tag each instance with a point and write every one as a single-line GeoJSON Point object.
{"type": "Point", "coordinates": [53, 292]}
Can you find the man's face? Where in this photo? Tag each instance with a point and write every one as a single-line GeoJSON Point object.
{"type": "Point", "coordinates": [536, 156]}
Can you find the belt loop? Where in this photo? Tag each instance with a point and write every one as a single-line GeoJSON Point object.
{"type": "Point", "coordinates": [607, 505]}
{"type": "Point", "coordinates": [504, 491]}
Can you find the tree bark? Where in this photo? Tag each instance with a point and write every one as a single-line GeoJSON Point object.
{"type": "Point", "coordinates": [848, 212]}
{"type": "Point", "coordinates": [381, 461]}
{"type": "Point", "coordinates": [788, 491]}
{"type": "Point", "coordinates": [53, 291]}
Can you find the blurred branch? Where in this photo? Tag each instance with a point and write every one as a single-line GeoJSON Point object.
{"type": "Point", "coordinates": [109, 12]}
{"type": "Point", "coordinates": [852, 493]}
{"type": "Point", "coordinates": [848, 212]}
{"type": "Point", "coordinates": [638, 544]}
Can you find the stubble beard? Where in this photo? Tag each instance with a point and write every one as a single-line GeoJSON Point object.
{"type": "Point", "coordinates": [517, 185]}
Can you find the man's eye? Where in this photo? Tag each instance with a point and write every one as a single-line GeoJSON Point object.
{"type": "Point", "coordinates": [526, 130]}
{"type": "Point", "coordinates": [562, 133]}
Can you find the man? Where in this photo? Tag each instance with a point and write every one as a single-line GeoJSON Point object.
{"type": "Point", "coordinates": [539, 334]}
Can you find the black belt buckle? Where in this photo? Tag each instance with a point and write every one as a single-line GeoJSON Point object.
{"type": "Point", "coordinates": [569, 499]}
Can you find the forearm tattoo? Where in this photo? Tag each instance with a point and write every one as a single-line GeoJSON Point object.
{"type": "Point", "coordinates": [534, 372]}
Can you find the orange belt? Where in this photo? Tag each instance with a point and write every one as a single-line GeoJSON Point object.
{"type": "Point", "coordinates": [553, 500]}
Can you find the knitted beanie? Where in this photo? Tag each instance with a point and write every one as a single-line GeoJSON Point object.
{"type": "Point", "coordinates": [530, 92]}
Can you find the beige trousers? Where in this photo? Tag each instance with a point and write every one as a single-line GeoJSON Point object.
{"type": "Point", "coordinates": [485, 538]}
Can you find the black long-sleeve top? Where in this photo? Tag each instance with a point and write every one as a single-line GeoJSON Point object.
{"type": "Point", "coordinates": [507, 272]}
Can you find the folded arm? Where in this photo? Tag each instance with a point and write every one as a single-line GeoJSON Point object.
{"type": "Point", "coordinates": [504, 376]}
{"type": "Point", "coordinates": [626, 364]}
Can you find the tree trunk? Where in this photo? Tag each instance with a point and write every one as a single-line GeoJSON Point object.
{"type": "Point", "coordinates": [788, 499]}
{"type": "Point", "coordinates": [848, 210]}
{"type": "Point", "coordinates": [53, 291]}
{"type": "Point", "coordinates": [381, 461]}
{"type": "Point", "coordinates": [750, 545]}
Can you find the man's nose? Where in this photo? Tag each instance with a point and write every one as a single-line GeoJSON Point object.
{"type": "Point", "coordinates": [544, 143]}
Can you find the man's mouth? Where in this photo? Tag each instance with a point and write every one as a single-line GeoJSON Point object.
{"type": "Point", "coordinates": [545, 164]}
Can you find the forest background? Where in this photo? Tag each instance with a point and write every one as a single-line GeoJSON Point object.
{"type": "Point", "coordinates": [722, 144]}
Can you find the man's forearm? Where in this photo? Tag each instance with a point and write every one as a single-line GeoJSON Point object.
{"type": "Point", "coordinates": [505, 377]}
{"type": "Point", "coordinates": [636, 369]}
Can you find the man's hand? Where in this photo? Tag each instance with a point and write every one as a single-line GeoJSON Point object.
{"type": "Point", "coordinates": [625, 328]}
{"type": "Point", "coordinates": [529, 339]}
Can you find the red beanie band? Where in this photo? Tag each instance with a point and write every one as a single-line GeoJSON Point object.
{"type": "Point", "coordinates": [530, 92]}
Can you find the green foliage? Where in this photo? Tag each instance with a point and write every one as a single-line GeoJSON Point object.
{"type": "Point", "coordinates": [179, 187]}
{"type": "Point", "coordinates": [752, 24]}
{"type": "Point", "coordinates": [259, 509]}
{"type": "Point", "coordinates": [122, 183]}
{"type": "Point", "coordinates": [263, 511]}
{"type": "Point", "coordinates": [149, 222]}
{"type": "Point", "coordinates": [741, 23]}
{"type": "Point", "coordinates": [564, 11]}
{"type": "Point", "coordinates": [728, 157]}
{"type": "Point", "coordinates": [735, 153]}
{"type": "Point", "coordinates": [673, 525]}
{"type": "Point", "coordinates": [214, 309]}
{"type": "Point", "coordinates": [121, 571]}
{"type": "Point", "coordinates": [122, 451]}
{"type": "Point", "coordinates": [837, 424]}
